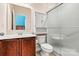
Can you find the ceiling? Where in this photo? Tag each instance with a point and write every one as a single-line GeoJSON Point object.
{"type": "Point", "coordinates": [43, 7]}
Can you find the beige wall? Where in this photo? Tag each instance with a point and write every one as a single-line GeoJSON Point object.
{"type": "Point", "coordinates": [43, 7]}
{"type": "Point", "coordinates": [2, 17]}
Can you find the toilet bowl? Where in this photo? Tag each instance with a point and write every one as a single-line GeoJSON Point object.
{"type": "Point", "coordinates": [46, 49]}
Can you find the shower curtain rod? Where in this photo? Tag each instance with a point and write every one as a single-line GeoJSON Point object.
{"type": "Point", "coordinates": [51, 10]}
{"type": "Point", "coordinates": [54, 8]}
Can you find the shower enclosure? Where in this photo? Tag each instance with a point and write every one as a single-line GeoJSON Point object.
{"type": "Point", "coordinates": [63, 29]}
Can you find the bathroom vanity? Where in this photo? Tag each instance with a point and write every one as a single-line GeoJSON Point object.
{"type": "Point", "coordinates": [17, 46]}
{"type": "Point", "coordinates": [16, 22]}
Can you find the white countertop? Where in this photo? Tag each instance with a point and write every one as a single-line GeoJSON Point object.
{"type": "Point", "coordinates": [16, 36]}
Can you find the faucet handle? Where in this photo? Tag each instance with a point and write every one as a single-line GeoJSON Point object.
{"type": "Point", "coordinates": [1, 34]}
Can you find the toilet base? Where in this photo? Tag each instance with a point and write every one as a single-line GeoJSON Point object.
{"type": "Point", "coordinates": [43, 53]}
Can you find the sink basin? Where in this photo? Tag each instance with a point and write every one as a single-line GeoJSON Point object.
{"type": "Point", "coordinates": [16, 36]}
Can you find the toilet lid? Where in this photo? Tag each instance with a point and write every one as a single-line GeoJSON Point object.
{"type": "Point", "coordinates": [46, 46]}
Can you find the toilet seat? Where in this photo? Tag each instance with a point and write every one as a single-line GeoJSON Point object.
{"type": "Point", "coordinates": [46, 47]}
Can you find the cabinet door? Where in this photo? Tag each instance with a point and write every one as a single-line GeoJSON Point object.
{"type": "Point", "coordinates": [28, 46]}
{"type": "Point", "coordinates": [10, 47]}
{"type": "Point", "coordinates": [1, 48]}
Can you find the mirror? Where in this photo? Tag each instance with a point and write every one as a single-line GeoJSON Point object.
{"type": "Point", "coordinates": [19, 19]}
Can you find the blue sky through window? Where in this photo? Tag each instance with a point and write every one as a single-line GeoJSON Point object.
{"type": "Point", "coordinates": [20, 20]}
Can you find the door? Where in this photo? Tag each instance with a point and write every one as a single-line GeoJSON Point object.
{"type": "Point", "coordinates": [28, 46]}
{"type": "Point", "coordinates": [10, 47]}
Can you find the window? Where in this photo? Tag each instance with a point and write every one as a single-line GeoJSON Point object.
{"type": "Point", "coordinates": [20, 22]}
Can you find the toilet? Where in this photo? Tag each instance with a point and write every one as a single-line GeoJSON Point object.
{"type": "Point", "coordinates": [46, 48]}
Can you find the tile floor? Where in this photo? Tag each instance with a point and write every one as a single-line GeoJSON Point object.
{"type": "Point", "coordinates": [38, 54]}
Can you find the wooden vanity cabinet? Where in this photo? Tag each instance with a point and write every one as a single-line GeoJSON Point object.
{"type": "Point", "coordinates": [18, 47]}
{"type": "Point", "coordinates": [10, 47]}
{"type": "Point", "coordinates": [28, 46]}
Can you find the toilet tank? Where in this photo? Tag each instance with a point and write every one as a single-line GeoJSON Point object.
{"type": "Point", "coordinates": [41, 39]}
